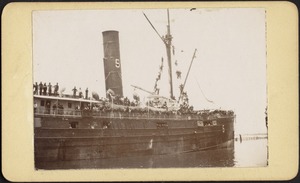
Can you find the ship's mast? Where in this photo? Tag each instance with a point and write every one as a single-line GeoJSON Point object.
{"type": "Point", "coordinates": [168, 43]}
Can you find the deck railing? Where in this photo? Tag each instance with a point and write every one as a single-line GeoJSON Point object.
{"type": "Point", "coordinates": [57, 112]}
{"type": "Point", "coordinates": [121, 115]}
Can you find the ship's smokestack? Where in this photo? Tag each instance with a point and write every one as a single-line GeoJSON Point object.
{"type": "Point", "coordinates": [112, 62]}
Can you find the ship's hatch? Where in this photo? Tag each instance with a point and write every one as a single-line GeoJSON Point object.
{"type": "Point", "coordinates": [73, 124]}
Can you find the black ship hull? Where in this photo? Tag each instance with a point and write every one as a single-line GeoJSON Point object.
{"type": "Point", "coordinates": [101, 138]}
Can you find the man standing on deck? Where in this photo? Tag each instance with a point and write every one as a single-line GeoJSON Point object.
{"type": "Point", "coordinates": [49, 89]}
{"type": "Point", "coordinates": [48, 107]}
{"type": "Point", "coordinates": [54, 109]}
{"type": "Point", "coordinates": [35, 86]}
{"type": "Point", "coordinates": [41, 88]}
{"type": "Point", "coordinates": [74, 91]}
{"type": "Point", "coordinates": [80, 93]}
{"type": "Point", "coordinates": [56, 87]}
{"type": "Point", "coordinates": [86, 93]}
{"type": "Point", "coordinates": [45, 89]}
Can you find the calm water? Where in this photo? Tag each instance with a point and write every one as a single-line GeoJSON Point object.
{"type": "Point", "coordinates": [249, 153]}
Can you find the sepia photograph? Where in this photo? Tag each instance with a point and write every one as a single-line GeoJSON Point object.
{"type": "Point", "coordinates": [149, 88]}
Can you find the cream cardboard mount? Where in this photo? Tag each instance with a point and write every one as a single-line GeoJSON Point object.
{"type": "Point", "coordinates": [282, 95]}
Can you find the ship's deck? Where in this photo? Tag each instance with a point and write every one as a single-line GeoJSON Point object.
{"type": "Point", "coordinates": [67, 113]}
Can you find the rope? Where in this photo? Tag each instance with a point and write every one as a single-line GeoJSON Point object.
{"type": "Point", "coordinates": [203, 93]}
{"type": "Point", "coordinates": [154, 28]}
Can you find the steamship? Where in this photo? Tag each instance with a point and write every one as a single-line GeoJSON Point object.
{"type": "Point", "coordinates": [72, 127]}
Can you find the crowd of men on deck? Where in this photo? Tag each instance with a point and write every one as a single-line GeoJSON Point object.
{"type": "Point", "coordinates": [80, 95]}
{"type": "Point", "coordinates": [44, 89]}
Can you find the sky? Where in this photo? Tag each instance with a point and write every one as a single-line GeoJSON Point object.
{"type": "Point", "coordinates": [229, 68]}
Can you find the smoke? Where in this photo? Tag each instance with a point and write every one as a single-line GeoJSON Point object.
{"type": "Point", "coordinates": [95, 95]}
{"type": "Point", "coordinates": [61, 92]}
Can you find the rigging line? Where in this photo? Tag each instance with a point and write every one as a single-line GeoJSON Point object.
{"type": "Point", "coordinates": [154, 28]}
{"type": "Point", "coordinates": [194, 56]}
{"type": "Point", "coordinates": [203, 92]}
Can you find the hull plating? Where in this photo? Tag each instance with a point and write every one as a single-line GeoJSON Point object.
{"type": "Point", "coordinates": [126, 138]}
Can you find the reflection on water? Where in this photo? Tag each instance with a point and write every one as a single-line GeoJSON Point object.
{"type": "Point", "coordinates": [244, 154]}
{"type": "Point", "coordinates": [251, 153]}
